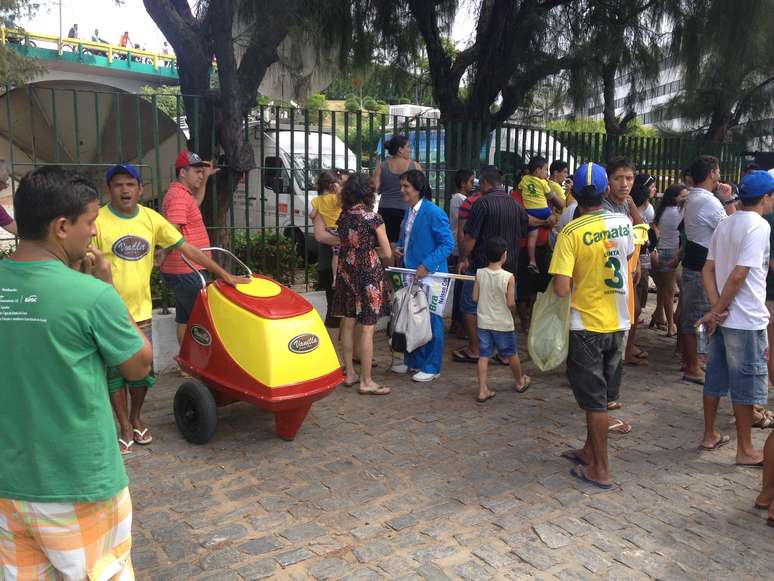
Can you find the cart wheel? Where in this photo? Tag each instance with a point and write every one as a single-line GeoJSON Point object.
{"type": "Point", "coordinates": [195, 412]}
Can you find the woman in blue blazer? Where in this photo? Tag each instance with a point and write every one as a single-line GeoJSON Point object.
{"type": "Point", "coordinates": [425, 243]}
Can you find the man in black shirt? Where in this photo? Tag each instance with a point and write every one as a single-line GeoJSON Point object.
{"type": "Point", "coordinates": [496, 214]}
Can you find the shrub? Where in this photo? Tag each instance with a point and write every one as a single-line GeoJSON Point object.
{"type": "Point", "coordinates": [269, 254]}
{"type": "Point", "coordinates": [370, 104]}
{"type": "Point", "coordinates": [352, 104]}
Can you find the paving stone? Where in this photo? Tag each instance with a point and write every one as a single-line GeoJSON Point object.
{"type": "Point", "coordinates": [363, 575]}
{"type": "Point", "coordinates": [223, 535]}
{"type": "Point", "coordinates": [472, 571]}
{"type": "Point", "coordinates": [260, 546]}
{"type": "Point", "coordinates": [258, 570]}
{"type": "Point", "coordinates": [329, 569]}
{"type": "Point", "coordinates": [289, 558]}
{"type": "Point", "coordinates": [425, 485]}
{"type": "Point", "coordinates": [303, 532]}
{"type": "Point", "coordinates": [221, 559]}
{"type": "Point", "coordinates": [372, 551]}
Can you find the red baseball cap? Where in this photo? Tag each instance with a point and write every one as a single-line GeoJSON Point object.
{"type": "Point", "coordinates": [188, 159]}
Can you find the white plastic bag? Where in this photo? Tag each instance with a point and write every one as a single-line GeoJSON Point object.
{"type": "Point", "coordinates": [412, 316]}
{"type": "Point", "coordinates": [549, 331]}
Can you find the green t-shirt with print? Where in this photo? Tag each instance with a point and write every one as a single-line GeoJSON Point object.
{"type": "Point", "coordinates": [60, 329]}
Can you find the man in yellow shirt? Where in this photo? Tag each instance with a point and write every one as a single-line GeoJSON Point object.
{"type": "Point", "coordinates": [127, 234]}
{"type": "Point", "coordinates": [590, 258]}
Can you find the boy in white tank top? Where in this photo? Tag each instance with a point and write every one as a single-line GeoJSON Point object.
{"type": "Point", "coordinates": [495, 295]}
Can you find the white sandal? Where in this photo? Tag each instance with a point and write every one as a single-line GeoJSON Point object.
{"type": "Point", "coordinates": [127, 446]}
{"type": "Point", "coordinates": [139, 437]}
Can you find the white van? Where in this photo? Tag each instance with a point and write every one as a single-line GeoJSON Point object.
{"type": "Point", "coordinates": [281, 189]}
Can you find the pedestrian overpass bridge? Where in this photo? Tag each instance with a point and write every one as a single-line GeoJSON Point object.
{"type": "Point", "coordinates": [85, 110]}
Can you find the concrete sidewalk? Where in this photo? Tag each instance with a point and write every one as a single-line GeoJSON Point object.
{"type": "Point", "coordinates": [427, 484]}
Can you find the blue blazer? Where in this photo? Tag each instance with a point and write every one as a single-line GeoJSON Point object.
{"type": "Point", "coordinates": [431, 240]}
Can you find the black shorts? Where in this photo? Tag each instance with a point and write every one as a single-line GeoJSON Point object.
{"type": "Point", "coordinates": [186, 288]}
{"type": "Point", "coordinates": [594, 364]}
{"type": "Point", "coordinates": [392, 218]}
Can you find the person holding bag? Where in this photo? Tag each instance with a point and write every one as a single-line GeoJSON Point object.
{"type": "Point", "coordinates": [425, 243]}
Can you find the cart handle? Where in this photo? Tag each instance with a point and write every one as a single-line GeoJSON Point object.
{"type": "Point", "coordinates": [216, 249]}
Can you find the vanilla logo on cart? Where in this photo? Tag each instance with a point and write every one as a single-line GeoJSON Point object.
{"type": "Point", "coordinates": [304, 343]}
{"type": "Point", "coordinates": [131, 247]}
{"type": "Point", "coordinates": [201, 335]}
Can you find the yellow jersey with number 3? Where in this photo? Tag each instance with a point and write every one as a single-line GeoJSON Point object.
{"type": "Point", "coordinates": [593, 251]}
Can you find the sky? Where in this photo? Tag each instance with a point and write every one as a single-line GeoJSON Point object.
{"type": "Point", "coordinates": [112, 20]}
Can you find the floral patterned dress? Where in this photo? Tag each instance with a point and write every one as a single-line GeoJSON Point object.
{"type": "Point", "coordinates": [362, 290]}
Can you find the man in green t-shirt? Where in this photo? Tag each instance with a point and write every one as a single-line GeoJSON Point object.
{"type": "Point", "coordinates": [65, 509]}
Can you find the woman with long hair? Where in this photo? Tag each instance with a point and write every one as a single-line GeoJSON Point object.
{"type": "Point", "coordinates": [668, 217]}
{"type": "Point", "coordinates": [387, 182]}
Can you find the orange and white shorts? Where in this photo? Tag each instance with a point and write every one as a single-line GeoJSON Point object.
{"type": "Point", "coordinates": [66, 540]}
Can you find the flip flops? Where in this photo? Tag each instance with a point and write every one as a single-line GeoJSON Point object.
{"type": "Point", "coordinates": [619, 427]}
{"type": "Point", "coordinates": [696, 380]}
{"type": "Point", "coordinates": [614, 405]}
{"type": "Point", "coordinates": [127, 446]}
{"type": "Point", "coordinates": [572, 455]}
{"type": "Point", "coordinates": [753, 465]}
{"type": "Point", "coordinates": [579, 472]}
{"type": "Point", "coordinates": [142, 437]}
{"type": "Point", "coordinates": [381, 390]}
{"type": "Point", "coordinates": [527, 383]}
{"type": "Point", "coordinates": [487, 398]}
{"type": "Point", "coordinates": [719, 444]}
{"type": "Point", "coordinates": [462, 356]}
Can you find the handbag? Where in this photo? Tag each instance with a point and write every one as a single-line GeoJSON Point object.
{"type": "Point", "coordinates": [410, 319]}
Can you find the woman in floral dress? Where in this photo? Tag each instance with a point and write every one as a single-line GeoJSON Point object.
{"type": "Point", "coordinates": [362, 293]}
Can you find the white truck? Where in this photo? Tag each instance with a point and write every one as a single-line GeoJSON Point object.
{"type": "Point", "coordinates": [279, 192]}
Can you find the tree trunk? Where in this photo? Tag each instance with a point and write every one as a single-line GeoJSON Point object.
{"type": "Point", "coordinates": [719, 126]}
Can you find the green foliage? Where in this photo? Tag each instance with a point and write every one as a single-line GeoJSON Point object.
{"type": "Point", "coordinates": [316, 102]}
{"type": "Point", "coordinates": [352, 104]}
{"type": "Point", "coordinates": [386, 83]}
{"type": "Point", "coordinates": [161, 295]}
{"type": "Point", "coordinates": [168, 99]}
{"type": "Point", "coordinates": [370, 104]}
{"type": "Point", "coordinates": [589, 125]}
{"type": "Point", "coordinates": [725, 48]}
{"type": "Point", "coordinates": [16, 69]}
{"type": "Point", "coordinates": [267, 253]}
{"type": "Point", "coordinates": [262, 101]}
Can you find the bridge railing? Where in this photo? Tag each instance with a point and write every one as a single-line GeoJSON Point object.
{"type": "Point", "coordinates": [111, 51]}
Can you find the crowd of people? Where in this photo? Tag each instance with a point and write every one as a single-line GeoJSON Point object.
{"type": "Point", "coordinates": [76, 292]}
{"type": "Point", "coordinates": [578, 234]}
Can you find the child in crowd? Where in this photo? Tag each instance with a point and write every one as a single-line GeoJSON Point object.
{"type": "Point", "coordinates": [495, 295]}
{"type": "Point", "coordinates": [328, 205]}
{"type": "Point", "coordinates": [536, 193]}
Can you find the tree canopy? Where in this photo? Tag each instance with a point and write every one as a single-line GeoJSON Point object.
{"type": "Point", "coordinates": [16, 69]}
{"type": "Point", "coordinates": [725, 48]}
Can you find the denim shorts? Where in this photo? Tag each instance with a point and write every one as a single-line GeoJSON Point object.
{"type": "Point", "coordinates": [693, 301]}
{"type": "Point", "coordinates": [186, 288]}
{"type": "Point", "coordinates": [467, 304]}
{"type": "Point", "coordinates": [502, 342]}
{"type": "Point", "coordinates": [665, 256]}
{"type": "Point", "coordinates": [540, 214]}
{"type": "Point", "coordinates": [737, 363]}
{"type": "Point", "coordinates": [594, 364]}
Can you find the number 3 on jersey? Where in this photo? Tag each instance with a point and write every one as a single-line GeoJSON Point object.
{"type": "Point", "coordinates": [617, 281]}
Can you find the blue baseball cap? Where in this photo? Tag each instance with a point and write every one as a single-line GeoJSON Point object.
{"type": "Point", "coordinates": [755, 184]}
{"type": "Point", "coordinates": [126, 168]}
{"type": "Point", "coordinates": [590, 174]}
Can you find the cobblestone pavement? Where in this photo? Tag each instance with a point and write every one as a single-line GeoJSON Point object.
{"type": "Point", "coordinates": [427, 484]}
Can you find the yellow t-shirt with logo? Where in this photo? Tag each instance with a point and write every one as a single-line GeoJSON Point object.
{"type": "Point", "coordinates": [128, 243]}
{"type": "Point", "coordinates": [535, 192]}
{"type": "Point", "coordinates": [329, 207]}
{"type": "Point", "coordinates": [593, 250]}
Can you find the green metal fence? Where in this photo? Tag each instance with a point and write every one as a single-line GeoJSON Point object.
{"type": "Point", "coordinates": [268, 220]}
